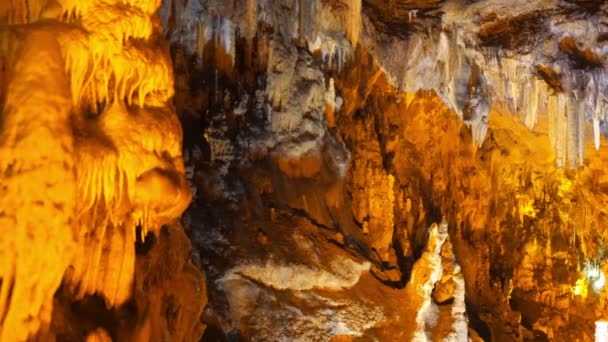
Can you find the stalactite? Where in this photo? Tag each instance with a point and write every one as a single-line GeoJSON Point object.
{"type": "Point", "coordinates": [561, 135]}
{"type": "Point", "coordinates": [353, 28]}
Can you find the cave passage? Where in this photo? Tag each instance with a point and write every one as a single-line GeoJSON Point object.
{"type": "Point", "coordinates": [303, 170]}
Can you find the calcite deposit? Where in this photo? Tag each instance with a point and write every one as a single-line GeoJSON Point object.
{"type": "Point", "coordinates": [349, 170]}
{"type": "Point", "coordinates": [91, 166]}
{"type": "Point", "coordinates": [372, 121]}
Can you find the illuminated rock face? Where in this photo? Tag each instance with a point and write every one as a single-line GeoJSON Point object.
{"type": "Point", "coordinates": [322, 140]}
{"type": "Point", "coordinates": [475, 56]}
{"type": "Point", "coordinates": [90, 150]}
{"type": "Point", "coordinates": [360, 125]}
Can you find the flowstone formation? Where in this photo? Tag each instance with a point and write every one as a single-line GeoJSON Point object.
{"type": "Point", "coordinates": [353, 126]}
{"type": "Point", "coordinates": [396, 170]}
{"type": "Point", "coordinates": [91, 168]}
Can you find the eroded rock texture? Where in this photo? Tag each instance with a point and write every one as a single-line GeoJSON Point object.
{"type": "Point", "coordinates": [359, 170]}
{"type": "Point", "coordinates": [91, 168]}
{"type": "Point", "coordinates": [323, 139]}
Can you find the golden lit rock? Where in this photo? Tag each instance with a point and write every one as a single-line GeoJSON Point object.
{"type": "Point", "coordinates": [346, 170]}
{"type": "Point", "coordinates": [90, 150]}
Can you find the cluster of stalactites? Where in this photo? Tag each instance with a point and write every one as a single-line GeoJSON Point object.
{"type": "Point", "coordinates": [137, 74]}
{"type": "Point", "coordinates": [462, 84]}
{"type": "Point", "coordinates": [14, 12]}
{"type": "Point", "coordinates": [74, 184]}
{"type": "Point", "coordinates": [113, 53]}
{"type": "Point", "coordinates": [470, 80]}
{"type": "Point", "coordinates": [123, 186]}
{"type": "Point", "coordinates": [332, 31]}
{"type": "Point", "coordinates": [188, 25]}
{"type": "Point", "coordinates": [119, 57]}
{"type": "Point", "coordinates": [560, 81]}
{"type": "Point", "coordinates": [468, 77]}
{"type": "Point", "coordinates": [566, 111]}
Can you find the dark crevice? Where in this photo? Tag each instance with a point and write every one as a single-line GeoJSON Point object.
{"type": "Point", "coordinates": [302, 213]}
{"type": "Point", "coordinates": [213, 334]}
{"type": "Point", "coordinates": [142, 247]}
{"type": "Point", "coordinates": [10, 283]}
{"type": "Point", "coordinates": [475, 323]}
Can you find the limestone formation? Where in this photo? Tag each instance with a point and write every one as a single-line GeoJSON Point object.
{"type": "Point", "coordinates": [395, 170]}
{"type": "Point", "coordinates": [90, 155]}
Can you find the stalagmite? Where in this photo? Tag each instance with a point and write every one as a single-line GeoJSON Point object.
{"type": "Point", "coordinates": [459, 311]}
{"type": "Point", "coordinates": [330, 95]}
{"type": "Point", "coordinates": [431, 267]}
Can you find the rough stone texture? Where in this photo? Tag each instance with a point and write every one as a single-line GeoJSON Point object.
{"type": "Point", "coordinates": [459, 111]}
{"type": "Point", "coordinates": [322, 140]}
{"type": "Point", "coordinates": [444, 290]}
{"type": "Point", "coordinates": [91, 167]}
{"type": "Point", "coordinates": [168, 299]}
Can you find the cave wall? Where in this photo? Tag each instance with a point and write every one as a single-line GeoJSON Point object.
{"type": "Point", "coordinates": [91, 170]}
{"type": "Point", "coordinates": [353, 170]}
{"type": "Point", "coordinates": [478, 116]}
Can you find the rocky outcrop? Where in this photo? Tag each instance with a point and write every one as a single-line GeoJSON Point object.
{"type": "Point", "coordinates": [463, 112]}
{"type": "Point", "coordinates": [91, 166]}
{"type": "Point", "coordinates": [322, 139]}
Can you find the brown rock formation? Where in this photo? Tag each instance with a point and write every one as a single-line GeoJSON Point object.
{"type": "Point", "coordinates": [381, 165]}
{"type": "Point", "coordinates": [358, 169]}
